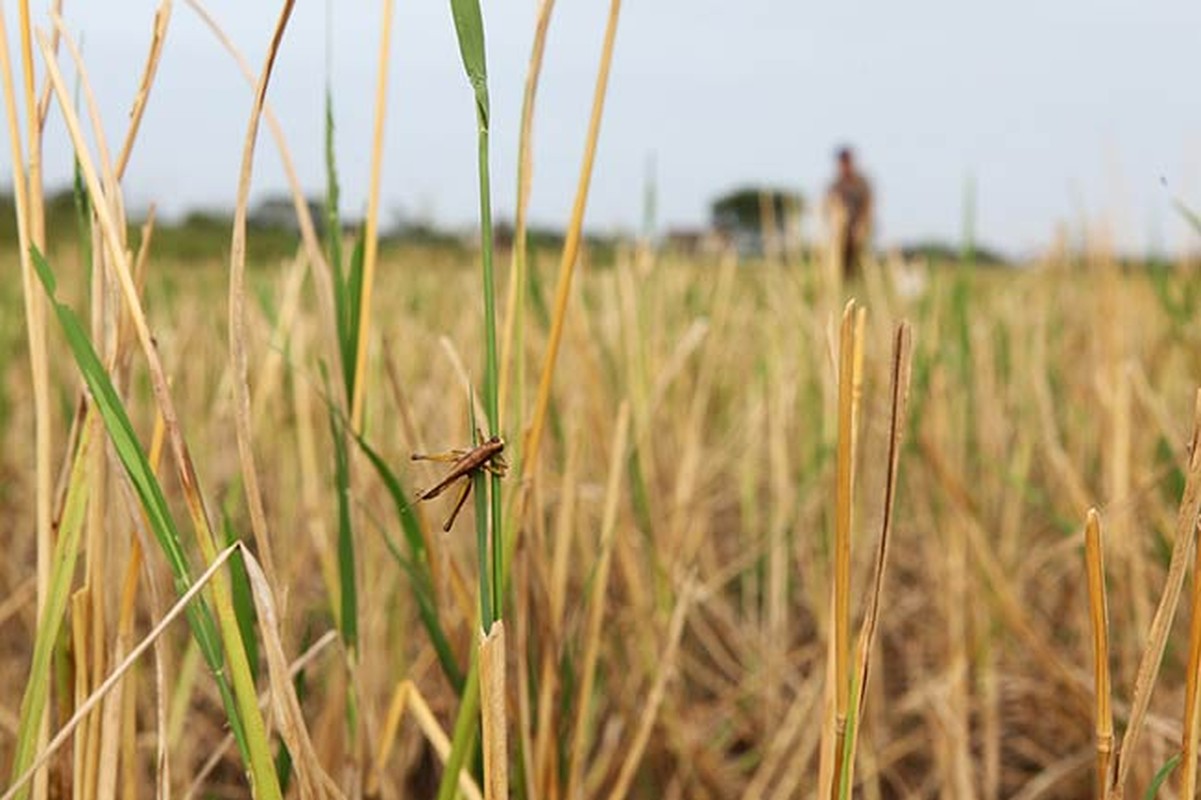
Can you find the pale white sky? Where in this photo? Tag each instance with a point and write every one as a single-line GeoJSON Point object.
{"type": "Point", "coordinates": [1062, 111]}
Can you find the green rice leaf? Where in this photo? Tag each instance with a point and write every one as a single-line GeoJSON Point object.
{"type": "Point", "coordinates": [469, 25]}
{"type": "Point", "coordinates": [150, 494]}
{"type": "Point", "coordinates": [463, 740]}
{"type": "Point", "coordinates": [66, 550]}
{"type": "Point", "coordinates": [1161, 776]}
{"type": "Point", "coordinates": [333, 221]}
{"type": "Point", "coordinates": [243, 598]}
{"type": "Point", "coordinates": [348, 600]}
{"type": "Point", "coordinates": [416, 566]}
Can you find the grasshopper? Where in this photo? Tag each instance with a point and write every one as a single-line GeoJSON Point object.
{"type": "Point", "coordinates": [484, 456]}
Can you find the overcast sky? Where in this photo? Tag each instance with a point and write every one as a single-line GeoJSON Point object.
{"type": "Point", "coordinates": [1067, 112]}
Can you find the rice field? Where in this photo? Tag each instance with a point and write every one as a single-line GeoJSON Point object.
{"type": "Point", "coordinates": [763, 532]}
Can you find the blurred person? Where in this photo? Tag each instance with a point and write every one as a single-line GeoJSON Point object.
{"type": "Point", "coordinates": [848, 209]}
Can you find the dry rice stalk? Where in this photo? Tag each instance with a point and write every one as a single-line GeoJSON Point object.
{"type": "Point", "coordinates": [1192, 719]}
{"type": "Point", "coordinates": [525, 168]}
{"type": "Point", "coordinates": [114, 679]}
{"type": "Point", "coordinates": [302, 662]}
{"type": "Point", "coordinates": [408, 697]}
{"type": "Point", "coordinates": [571, 247]}
{"type": "Point", "coordinates": [596, 608]}
{"type": "Point", "coordinates": [311, 778]}
{"type": "Point", "coordinates": [1182, 550]}
{"type": "Point", "coordinates": [162, 16]}
{"type": "Point", "coordinates": [901, 364]}
{"type": "Point", "coordinates": [544, 755]}
{"type": "Point", "coordinates": [304, 218]}
{"type": "Point", "coordinates": [27, 197]}
{"type": "Point", "coordinates": [237, 314]}
{"type": "Point", "coordinates": [492, 711]}
{"type": "Point", "coordinates": [850, 384]}
{"type": "Point", "coordinates": [1099, 616]}
{"type": "Point", "coordinates": [666, 666]}
{"type": "Point", "coordinates": [371, 223]}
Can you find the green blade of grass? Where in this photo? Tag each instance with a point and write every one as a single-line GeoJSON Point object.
{"type": "Point", "coordinates": [150, 494]}
{"type": "Point", "coordinates": [348, 279]}
{"type": "Point", "coordinates": [283, 757]}
{"type": "Point", "coordinates": [463, 740]}
{"type": "Point", "coordinates": [469, 27]}
{"type": "Point", "coordinates": [83, 217]}
{"type": "Point", "coordinates": [479, 485]}
{"type": "Point", "coordinates": [351, 293]}
{"type": "Point", "coordinates": [416, 566]}
{"type": "Point", "coordinates": [66, 550]}
{"type": "Point", "coordinates": [416, 562]}
{"type": "Point", "coordinates": [333, 220]}
{"type": "Point", "coordinates": [1161, 776]}
{"type": "Point", "coordinates": [239, 585]}
{"type": "Point", "coordinates": [348, 597]}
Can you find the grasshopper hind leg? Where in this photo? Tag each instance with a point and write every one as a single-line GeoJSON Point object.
{"type": "Point", "coordinates": [459, 502]}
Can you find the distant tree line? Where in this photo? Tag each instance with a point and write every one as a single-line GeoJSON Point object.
{"type": "Point", "coordinates": [203, 234]}
{"type": "Point", "coordinates": [741, 218]}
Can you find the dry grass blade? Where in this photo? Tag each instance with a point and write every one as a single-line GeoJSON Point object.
{"type": "Point", "coordinates": [1182, 549]}
{"type": "Point", "coordinates": [237, 311]}
{"type": "Point", "coordinates": [162, 16]}
{"type": "Point", "coordinates": [112, 242]}
{"type": "Point", "coordinates": [784, 747]}
{"type": "Point", "coordinates": [901, 368]}
{"type": "Point", "coordinates": [512, 341]}
{"type": "Point", "coordinates": [43, 105]}
{"type": "Point", "coordinates": [220, 751]}
{"type": "Point", "coordinates": [460, 370]}
{"type": "Point", "coordinates": [111, 195]}
{"type": "Point", "coordinates": [1099, 617]}
{"type": "Point", "coordinates": [25, 592]}
{"type": "Point", "coordinates": [596, 609]}
{"type": "Point", "coordinates": [407, 697]}
{"type": "Point", "coordinates": [26, 192]}
{"type": "Point", "coordinates": [114, 679]}
{"type": "Point", "coordinates": [279, 347]}
{"type": "Point", "coordinates": [304, 217]}
{"type": "Point", "coordinates": [114, 707]}
{"type": "Point", "coordinates": [141, 535]}
{"type": "Point", "coordinates": [1192, 691]}
{"type": "Point", "coordinates": [95, 770]}
{"type": "Point", "coordinates": [120, 262]}
{"type": "Point", "coordinates": [370, 233]}
{"type": "Point", "coordinates": [850, 361]}
{"type": "Point", "coordinates": [493, 727]}
{"type": "Point", "coordinates": [313, 782]}
{"type": "Point", "coordinates": [1047, 784]}
{"type": "Point", "coordinates": [665, 668]}
{"type": "Point", "coordinates": [545, 772]}
{"type": "Point", "coordinates": [844, 502]}
{"type": "Point", "coordinates": [119, 727]}
{"type": "Point", "coordinates": [571, 248]}
{"type": "Point", "coordinates": [1009, 607]}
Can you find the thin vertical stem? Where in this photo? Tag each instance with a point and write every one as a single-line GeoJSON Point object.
{"type": "Point", "coordinates": [371, 224]}
{"type": "Point", "coordinates": [1099, 616]}
{"type": "Point", "coordinates": [571, 246]}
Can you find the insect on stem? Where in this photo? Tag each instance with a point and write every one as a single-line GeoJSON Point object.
{"type": "Point", "coordinates": [465, 464]}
